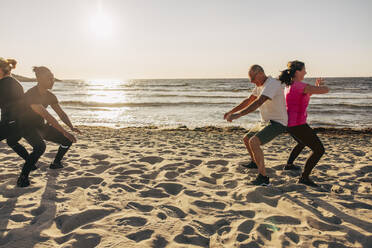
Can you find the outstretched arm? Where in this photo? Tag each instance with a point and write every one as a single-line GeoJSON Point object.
{"type": "Point", "coordinates": [64, 117]}
{"type": "Point", "coordinates": [40, 110]}
{"type": "Point", "coordinates": [319, 88]}
{"type": "Point", "coordinates": [252, 107]}
{"type": "Point", "coordinates": [241, 106]}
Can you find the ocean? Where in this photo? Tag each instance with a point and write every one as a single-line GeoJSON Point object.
{"type": "Point", "coordinates": [200, 102]}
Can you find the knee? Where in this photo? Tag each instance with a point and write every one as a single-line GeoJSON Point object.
{"type": "Point", "coordinates": [67, 144]}
{"type": "Point", "coordinates": [39, 149]}
{"type": "Point", "coordinates": [319, 150]}
{"type": "Point", "coordinates": [254, 142]}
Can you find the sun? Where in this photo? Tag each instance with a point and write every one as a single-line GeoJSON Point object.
{"type": "Point", "coordinates": [101, 24]}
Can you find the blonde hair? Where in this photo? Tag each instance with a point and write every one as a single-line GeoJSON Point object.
{"type": "Point", "coordinates": [6, 65]}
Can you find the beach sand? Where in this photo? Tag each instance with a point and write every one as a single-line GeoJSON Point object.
{"type": "Point", "coordinates": [149, 187]}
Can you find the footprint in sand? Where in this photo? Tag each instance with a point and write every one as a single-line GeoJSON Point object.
{"type": "Point", "coordinates": [280, 220]}
{"type": "Point", "coordinates": [152, 159]}
{"type": "Point", "coordinates": [193, 193]}
{"type": "Point", "coordinates": [171, 188]}
{"type": "Point", "coordinates": [122, 186]}
{"type": "Point", "coordinates": [218, 162]}
{"type": "Point", "coordinates": [293, 236]}
{"type": "Point", "coordinates": [209, 180]}
{"type": "Point", "coordinates": [173, 211]}
{"type": "Point", "coordinates": [230, 184]}
{"type": "Point", "coordinates": [159, 242]}
{"type": "Point", "coordinates": [154, 193]}
{"type": "Point", "coordinates": [194, 162]}
{"type": "Point", "coordinates": [321, 225]}
{"type": "Point", "coordinates": [99, 156]}
{"type": "Point", "coordinates": [246, 227]}
{"type": "Point", "coordinates": [140, 207]}
{"type": "Point", "coordinates": [171, 174]}
{"type": "Point", "coordinates": [173, 166]}
{"type": "Point", "coordinates": [67, 223]}
{"type": "Point", "coordinates": [141, 235]}
{"type": "Point", "coordinates": [189, 237]}
{"type": "Point", "coordinates": [83, 182]}
{"type": "Point", "coordinates": [205, 204]}
{"type": "Point", "coordinates": [132, 221]}
{"type": "Point", "coordinates": [210, 229]}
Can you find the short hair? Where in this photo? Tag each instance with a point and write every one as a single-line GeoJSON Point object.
{"type": "Point", "coordinates": [256, 69]}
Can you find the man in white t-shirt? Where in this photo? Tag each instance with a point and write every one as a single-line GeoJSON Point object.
{"type": "Point", "coordinates": [268, 96]}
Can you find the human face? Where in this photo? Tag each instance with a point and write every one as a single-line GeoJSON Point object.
{"type": "Point", "coordinates": [46, 80]}
{"type": "Point", "coordinates": [300, 75]}
{"type": "Point", "coordinates": [254, 77]}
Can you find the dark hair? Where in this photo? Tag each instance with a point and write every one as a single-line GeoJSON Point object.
{"type": "Point", "coordinates": [287, 75]}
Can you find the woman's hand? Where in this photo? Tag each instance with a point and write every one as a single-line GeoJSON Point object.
{"type": "Point", "coordinates": [319, 82]}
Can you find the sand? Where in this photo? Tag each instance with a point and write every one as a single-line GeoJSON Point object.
{"type": "Point", "coordinates": [147, 187]}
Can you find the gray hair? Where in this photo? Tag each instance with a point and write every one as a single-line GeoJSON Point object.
{"type": "Point", "coordinates": [256, 69]}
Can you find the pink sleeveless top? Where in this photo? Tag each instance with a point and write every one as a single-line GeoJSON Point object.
{"type": "Point", "coordinates": [296, 103]}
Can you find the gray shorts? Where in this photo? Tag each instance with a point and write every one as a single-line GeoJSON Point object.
{"type": "Point", "coordinates": [267, 132]}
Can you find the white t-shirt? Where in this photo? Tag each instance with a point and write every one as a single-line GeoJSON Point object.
{"type": "Point", "coordinates": [273, 108]}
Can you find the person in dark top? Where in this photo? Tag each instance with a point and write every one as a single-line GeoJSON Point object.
{"type": "Point", "coordinates": [12, 125]}
{"type": "Point", "coordinates": [11, 95]}
{"type": "Point", "coordinates": [37, 99]}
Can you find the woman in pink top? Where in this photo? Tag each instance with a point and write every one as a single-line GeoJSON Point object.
{"type": "Point", "coordinates": [297, 95]}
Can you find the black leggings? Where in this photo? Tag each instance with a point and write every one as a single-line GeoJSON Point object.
{"type": "Point", "coordinates": [306, 136]}
{"type": "Point", "coordinates": [10, 130]}
{"type": "Point", "coordinates": [35, 138]}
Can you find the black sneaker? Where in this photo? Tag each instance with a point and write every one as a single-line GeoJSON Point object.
{"type": "Point", "coordinates": [251, 165]}
{"type": "Point", "coordinates": [261, 180]}
{"type": "Point", "coordinates": [56, 166]}
{"type": "Point", "coordinates": [307, 182]}
{"type": "Point", "coordinates": [23, 181]}
{"type": "Point", "coordinates": [291, 167]}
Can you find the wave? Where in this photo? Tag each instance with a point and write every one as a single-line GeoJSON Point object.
{"type": "Point", "coordinates": [139, 104]}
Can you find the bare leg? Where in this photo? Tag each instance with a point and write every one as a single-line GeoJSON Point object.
{"type": "Point", "coordinates": [249, 149]}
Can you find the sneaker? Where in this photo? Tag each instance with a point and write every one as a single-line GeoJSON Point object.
{"type": "Point", "coordinates": [307, 182]}
{"type": "Point", "coordinates": [56, 166]}
{"type": "Point", "coordinates": [291, 167]}
{"type": "Point", "coordinates": [251, 165]}
{"type": "Point", "coordinates": [23, 181]}
{"type": "Point", "coordinates": [261, 180]}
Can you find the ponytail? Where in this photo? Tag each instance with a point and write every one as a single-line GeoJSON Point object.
{"type": "Point", "coordinates": [6, 65]}
{"type": "Point", "coordinates": [288, 74]}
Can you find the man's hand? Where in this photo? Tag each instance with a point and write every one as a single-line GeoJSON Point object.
{"type": "Point", "coordinates": [232, 117]}
{"type": "Point", "coordinates": [226, 115]}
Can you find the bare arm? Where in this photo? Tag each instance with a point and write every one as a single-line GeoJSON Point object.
{"type": "Point", "coordinates": [64, 117]}
{"type": "Point", "coordinates": [40, 110]}
{"type": "Point", "coordinates": [242, 105]}
{"type": "Point", "coordinates": [252, 107]}
{"type": "Point", "coordinates": [319, 88]}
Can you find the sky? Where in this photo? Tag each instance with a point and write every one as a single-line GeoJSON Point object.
{"type": "Point", "coordinates": [128, 39]}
